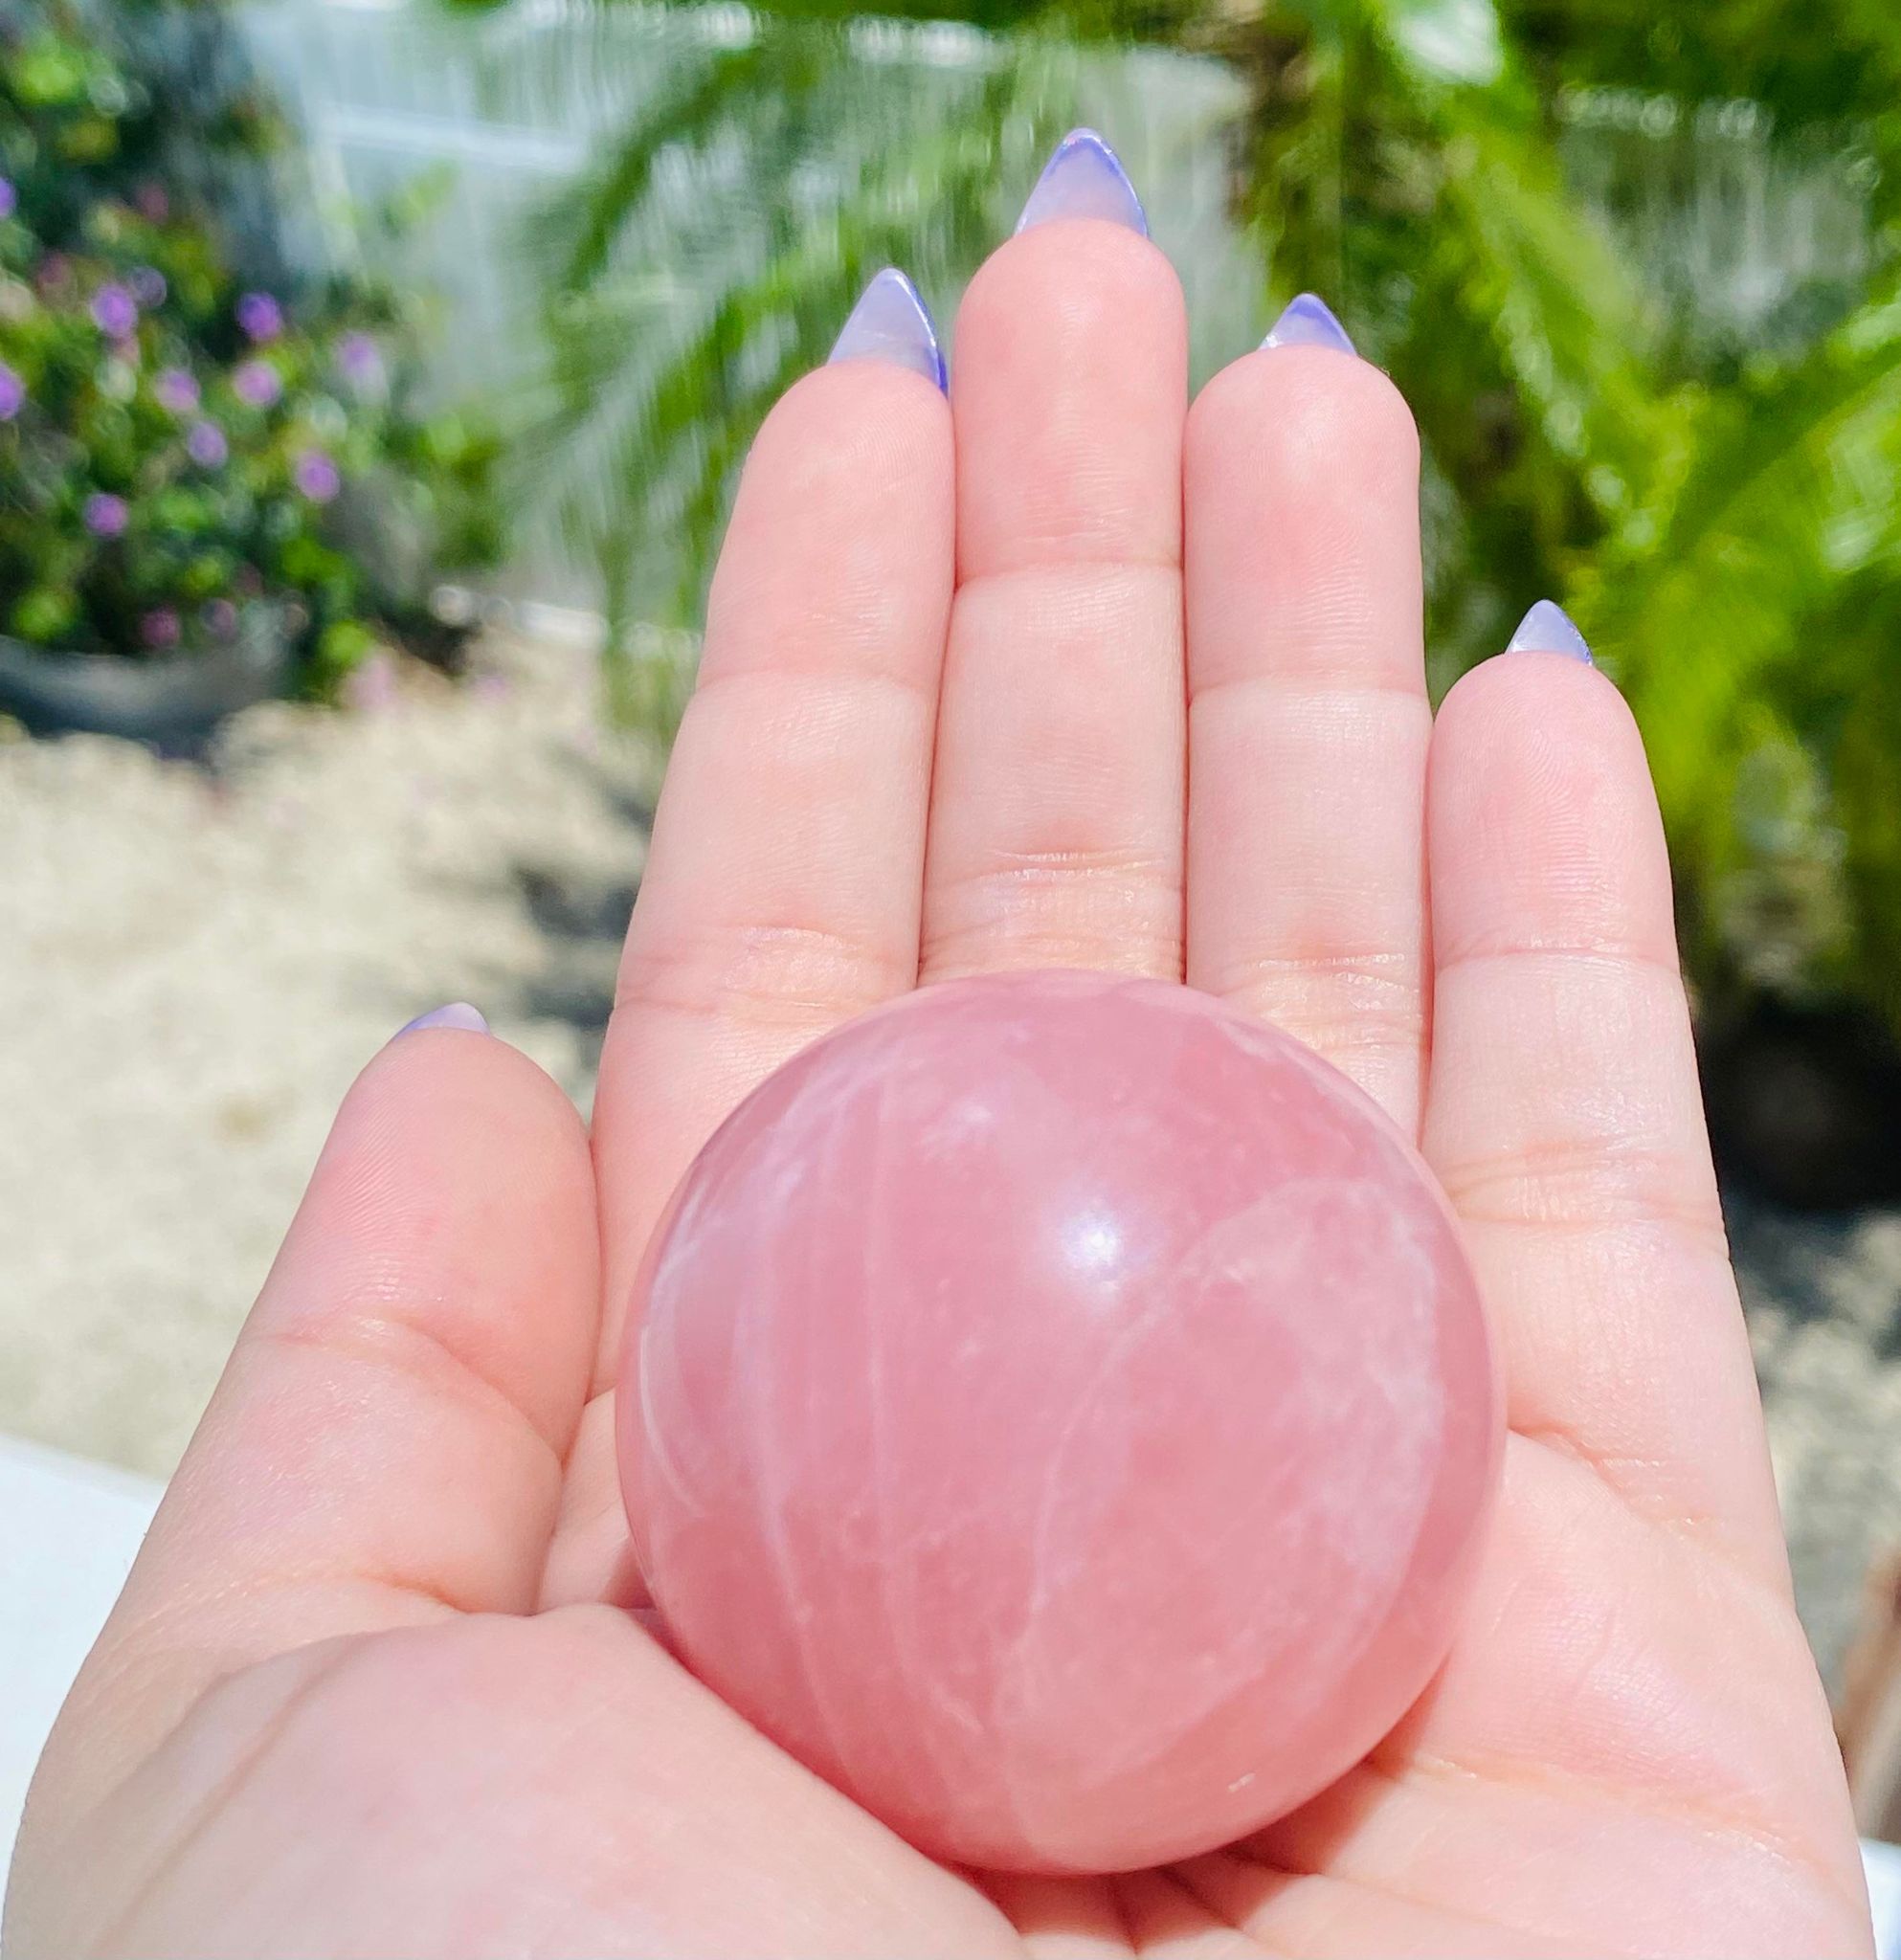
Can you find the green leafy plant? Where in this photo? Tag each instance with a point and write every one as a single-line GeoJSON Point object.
{"type": "Point", "coordinates": [182, 459]}
{"type": "Point", "coordinates": [679, 303]}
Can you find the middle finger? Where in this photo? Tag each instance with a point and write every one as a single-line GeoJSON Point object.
{"type": "Point", "coordinates": [1057, 811]}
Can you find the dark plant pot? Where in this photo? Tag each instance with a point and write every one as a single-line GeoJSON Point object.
{"type": "Point", "coordinates": [394, 547]}
{"type": "Point", "coordinates": [1804, 1104]}
{"type": "Point", "coordinates": [171, 702]}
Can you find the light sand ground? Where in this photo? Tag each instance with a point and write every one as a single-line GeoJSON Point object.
{"type": "Point", "coordinates": [192, 966]}
{"type": "Point", "coordinates": [192, 969]}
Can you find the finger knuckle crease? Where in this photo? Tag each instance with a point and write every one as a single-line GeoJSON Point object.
{"type": "Point", "coordinates": [762, 974]}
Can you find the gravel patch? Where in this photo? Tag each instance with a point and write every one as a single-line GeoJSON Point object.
{"type": "Point", "coordinates": [1824, 1301]}
{"type": "Point", "coordinates": [201, 959]}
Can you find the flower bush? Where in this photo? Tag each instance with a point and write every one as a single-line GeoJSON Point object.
{"type": "Point", "coordinates": [178, 450]}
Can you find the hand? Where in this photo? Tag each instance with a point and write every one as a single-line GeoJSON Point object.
{"type": "Point", "coordinates": [373, 1687]}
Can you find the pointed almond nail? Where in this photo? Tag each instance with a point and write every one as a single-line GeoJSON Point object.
{"type": "Point", "coordinates": [891, 322]}
{"type": "Point", "coordinates": [1309, 321]}
{"type": "Point", "coordinates": [1548, 629]}
{"type": "Point", "coordinates": [1084, 179]}
{"type": "Point", "coordinates": [459, 1013]}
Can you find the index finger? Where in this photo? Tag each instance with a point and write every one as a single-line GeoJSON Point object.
{"type": "Point", "coordinates": [782, 889]}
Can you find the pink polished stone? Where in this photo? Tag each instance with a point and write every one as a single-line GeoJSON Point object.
{"type": "Point", "coordinates": [1062, 1417]}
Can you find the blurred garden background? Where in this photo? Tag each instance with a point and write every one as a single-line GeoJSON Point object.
{"type": "Point", "coordinates": [373, 374]}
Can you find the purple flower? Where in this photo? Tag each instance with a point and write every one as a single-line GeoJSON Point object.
{"type": "Point", "coordinates": [54, 270]}
{"type": "Point", "coordinates": [105, 515]}
{"type": "Point", "coordinates": [115, 312]}
{"type": "Point", "coordinates": [148, 286]}
{"type": "Point", "coordinates": [258, 382]}
{"type": "Point", "coordinates": [221, 618]}
{"type": "Point", "coordinates": [359, 359]}
{"type": "Point", "coordinates": [317, 476]}
{"type": "Point", "coordinates": [153, 203]}
{"type": "Point", "coordinates": [10, 198]}
{"type": "Point", "coordinates": [206, 446]}
{"type": "Point", "coordinates": [176, 391]}
{"type": "Point", "coordinates": [159, 627]}
{"type": "Point", "coordinates": [13, 391]}
{"type": "Point", "coordinates": [260, 316]}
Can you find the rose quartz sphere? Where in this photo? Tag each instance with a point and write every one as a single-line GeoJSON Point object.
{"type": "Point", "coordinates": [1060, 1416]}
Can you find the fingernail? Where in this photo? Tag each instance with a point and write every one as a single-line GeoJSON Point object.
{"type": "Point", "coordinates": [1084, 179]}
{"type": "Point", "coordinates": [1309, 321]}
{"type": "Point", "coordinates": [1548, 629]}
{"type": "Point", "coordinates": [459, 1013]}
{"type": "Point", "coordinates": [891, 322]}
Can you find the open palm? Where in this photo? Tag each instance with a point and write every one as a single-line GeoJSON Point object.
{"type": "Point", "coordinates": [1058, 673]}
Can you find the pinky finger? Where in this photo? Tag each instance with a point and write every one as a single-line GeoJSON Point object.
{"type": "Point", "coordinates": [1563, 1116]}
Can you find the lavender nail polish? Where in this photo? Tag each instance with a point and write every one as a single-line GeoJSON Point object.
{"type": "Point", "coordinates": [1309, 321]}
{"type": "Point", "coordinates": [459, 1013]}
{"type": "Point", "coordinates": [1548, 629]}
{"type": "Point", "coordinates": [891, 322]}
{"type": "Point", "coordinates": [1084, 179]}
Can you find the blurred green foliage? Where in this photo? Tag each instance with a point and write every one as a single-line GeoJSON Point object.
{"type": "Point", "coordinates": [185, 462]}
{"type": "Point", "coordinates": [1715, 496]}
